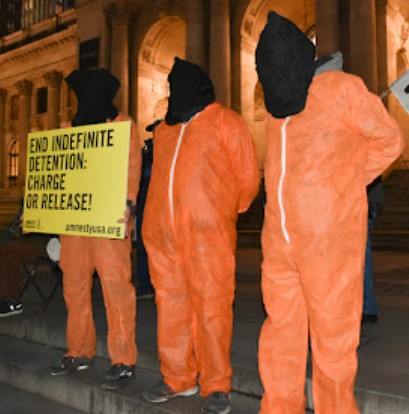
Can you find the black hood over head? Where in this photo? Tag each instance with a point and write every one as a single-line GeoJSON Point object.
{"type": "Point", "coordinates": [95, 90]}
{"type": "Point", "coordinates": [191, 90]}
{"type": "Point", "coordinates": [285, 66]}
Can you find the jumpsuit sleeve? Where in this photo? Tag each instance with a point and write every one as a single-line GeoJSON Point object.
{"type": "Point", "coordinates": [134, 164]}
{"type": "Point", "coordinates": [243, 156]}
{"type": "Point", "coordinates": [370, 119]}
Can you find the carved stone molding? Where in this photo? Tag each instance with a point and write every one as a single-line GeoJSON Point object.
{"type": "Point", "coordinates": [164, 5]}
{"type": "Point", "coordinates": [255, 7]}
{"type": "Point", "coordinates": [24, 87]}
{"type": "Point", "coordinates": [117, 13]}
{"type": "Point", "coordinates": [404, 34]}
{"type": "Point", "coordinates": [259, 107]}
{"type": "Point", "coordinates": [402, 53]}
{"type": "Point", "coordinates": [30, 52]}
{"type": "Point", "coordinates": [146, 55]}
{"type": "Point", "coordinates": [248, 27]}
{"type": "Point", "coordinates": [37, 124]}
{"type": "Point", "coordinates": [53, 78]}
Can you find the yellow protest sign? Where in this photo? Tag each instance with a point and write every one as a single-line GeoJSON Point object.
{"type": "Point", "coordinates": [76, 180]}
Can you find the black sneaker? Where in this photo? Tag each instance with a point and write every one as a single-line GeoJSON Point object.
{"type": "Point", "coordinates": [161, 392]}
{"type": "Point", "coordinates": [216, 403]}
{"type": "Point", "coordinates": [117, 376]}
{"type": "Point", "coordinates": [10, 308]}
{"type": "Point", "coordinates": [69, 364]}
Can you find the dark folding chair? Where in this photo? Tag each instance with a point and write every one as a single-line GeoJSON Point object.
{"type": "Point", "coordinates": [31, 270]}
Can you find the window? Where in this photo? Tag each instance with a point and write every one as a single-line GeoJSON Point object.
{"type": "Point", "coordinates": [10, 16]}
{"type": "Point", "coordinates": [58, 6]}
{"type": "Point", "coordinates": [35, 11]}
{"type": "Point", "coordinates": [28, 13]}
{"type": "Point", "coordinates": [13, 163]}
{"type": "Point", "coordinates": [89, 54]}
{"type": "Point", "coordinates": [14, 107]}
{"type": "Point", "coordinates": [42, 95]}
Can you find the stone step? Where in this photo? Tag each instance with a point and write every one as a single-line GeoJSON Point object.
{"type": "Point", "coordinates": [16, 401]}
{"type": "Point", "coordinates": [390, 240]}
{"type": "Point", "coordinates": [44, 333]}
{"type": "Point", "coordinates": [250, 224]}
{"type": "Point", "coordinates": [25, 366]}
{"type": "Point", "coordinates": [38, 327]}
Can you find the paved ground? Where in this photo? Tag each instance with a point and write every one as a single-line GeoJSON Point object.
{"type": "Point", "coordinates": [382, 385]}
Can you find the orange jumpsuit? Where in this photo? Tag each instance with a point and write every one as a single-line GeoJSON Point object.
{"type": "Point", "coordinates": [318, 165]}
{"type": "Point", "coordinates": [80, 256]}
{"type": "Point", "coordinates": [204, 173]}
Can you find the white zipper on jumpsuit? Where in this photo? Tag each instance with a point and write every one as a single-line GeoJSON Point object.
{"type": "Point", "coordinates": [172, 167]}
{"type": "Point", "coordinates": [283, 171]}
{"type": "Point", "coordinates": [172, 170]}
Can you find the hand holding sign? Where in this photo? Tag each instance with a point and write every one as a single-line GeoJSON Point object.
{"type": "Point", "coordinates": [76, 180]}
{"type": "Point", "coordinates": [125, 219]}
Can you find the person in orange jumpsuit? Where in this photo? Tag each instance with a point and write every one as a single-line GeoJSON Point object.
{"type": "Point", "coordinates": [204, 173]}
{"type": "Point", "coordinates": [328, 137]}
{"type": "Point", "coordinates": [81, 256]}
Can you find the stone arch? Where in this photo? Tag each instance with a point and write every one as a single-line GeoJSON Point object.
{"type": "Point", "coordinates": [302, 13]}
{"type": "Point", "coordinates": [160, 109]}
{"type": "Point", "coordinates": [402, 61]}
{"type": "Point", "coordinates": [311, 32]}
{"type": "Point", "coordinates": [259, 122]}
{"type": "Point", "coordinates": [259, 107]}
{"type": "Point", "coordinates": [164, 40]}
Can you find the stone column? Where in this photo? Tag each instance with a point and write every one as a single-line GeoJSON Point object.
{"type": "Point", "coordinates": [65, 117]}
{"type": "Point", "coordinates": [118, 15]}
{"type": "Point", "coordinates": [24, 88]}
{"type": "Point", "coordinates": [381, 43]}
{"type": "Point", "coordinates": [3, 152]}
{"type": "Point", "coordinates": [220, 50]}
{"type": "Point", "coordinates": [195, 36]}
{"type": "Point", "coordinates": [35, 121]}
{"type": "Point", "coordinates": [327, 27]}
{"type": "Point", "coordinates": [345, 28]}
{"type": "Point", "coordinates": [53, 80]}
{"type": "Point", "coordinates": [363, 42]}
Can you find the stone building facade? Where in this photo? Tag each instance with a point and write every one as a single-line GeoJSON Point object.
{"type": "Point", "coordinates": [138, 40]}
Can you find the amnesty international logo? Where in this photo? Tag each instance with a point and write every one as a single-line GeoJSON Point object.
{"type": "Point", "coordinates": [77, 180]}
